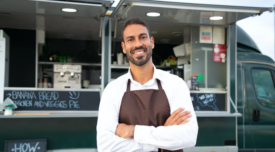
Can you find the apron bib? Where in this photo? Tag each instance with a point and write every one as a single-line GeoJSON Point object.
{"type": "Point", "coordinates": [145, 107]}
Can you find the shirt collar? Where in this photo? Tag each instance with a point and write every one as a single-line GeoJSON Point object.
{"type": "Point", "coordinates": [156, 75]}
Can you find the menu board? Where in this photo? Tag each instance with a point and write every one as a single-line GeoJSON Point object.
{"type": "Point", "coordinates": [205, 34]}
{"type": "Point", "coordinates": [208, 101]}
{"type": "Point", "coordinates": [218, 35]}
{"type": "Point", "coordinates": [34, 145]}
{"type": "Point", "coordinates": [204, 17]}
{"type": "Point", "coordinates": [195, 82]}
{"type": "Point", "coordinates": [54, 100]}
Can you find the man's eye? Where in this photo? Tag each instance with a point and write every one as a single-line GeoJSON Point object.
{"type": "Point", "coordinates": [143, 37]}
{"type": "Point", "coordinates": [129, 40]}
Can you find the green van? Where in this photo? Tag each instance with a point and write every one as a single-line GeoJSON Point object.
{"type": "Point", "coordinates": [255, 97]}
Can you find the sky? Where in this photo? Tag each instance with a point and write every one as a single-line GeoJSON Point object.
{"type": "Point", "coordinates": [262, 30]}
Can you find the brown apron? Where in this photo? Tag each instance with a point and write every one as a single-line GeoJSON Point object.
{"type": "Point", "coordinates": [145, 107]}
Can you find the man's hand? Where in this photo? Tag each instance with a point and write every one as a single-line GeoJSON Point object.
{"type": "Point", "coordinates": [178, 117]}
{"type": "Point", "coordinates": [125, 131]}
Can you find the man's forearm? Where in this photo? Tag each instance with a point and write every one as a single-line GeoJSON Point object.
{"type": "Point", "coordinates": [107, 141]}
{"type": "Point", "coordinates": [167, 137]}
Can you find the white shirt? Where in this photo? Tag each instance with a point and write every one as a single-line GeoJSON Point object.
{"type": "Point", "coordinates": [146, 138]}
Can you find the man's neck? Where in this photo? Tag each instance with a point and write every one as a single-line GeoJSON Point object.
{"type": "Point", "coordinates": [142, 74]}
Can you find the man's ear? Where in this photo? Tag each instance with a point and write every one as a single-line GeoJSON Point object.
{"type": "Point", "coordinates": [123, 47]}
{"type": "Point", "coordinates": [153, 42]}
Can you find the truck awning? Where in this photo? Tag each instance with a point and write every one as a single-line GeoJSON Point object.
{"type": "Point", "coordinates": [187, 11]}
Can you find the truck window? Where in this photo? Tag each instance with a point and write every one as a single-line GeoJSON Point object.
{"type": "Point", "coordinates": [264, 87]}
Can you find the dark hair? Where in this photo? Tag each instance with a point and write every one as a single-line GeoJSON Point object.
{"type": "Point", "coordinates": [134, 20]}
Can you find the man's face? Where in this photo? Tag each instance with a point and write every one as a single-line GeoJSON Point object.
{"type": "Point", "coordinates": [137, 44]}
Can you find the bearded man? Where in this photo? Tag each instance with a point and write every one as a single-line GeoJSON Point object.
{"type": "Point", "coordinates": [146, 109]}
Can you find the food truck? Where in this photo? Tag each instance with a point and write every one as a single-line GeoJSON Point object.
{"type": "Point", "coordinates": [58, 56]}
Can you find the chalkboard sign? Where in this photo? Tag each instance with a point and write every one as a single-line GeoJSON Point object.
{"type": "Point", "coordinates": [208, 101]}
{"type": "Point", "coordinates": [54, 100]}
{"type": "Point", "coordinates": [35, 145]}
{"type": "Point", "coordinates": [195, 83]}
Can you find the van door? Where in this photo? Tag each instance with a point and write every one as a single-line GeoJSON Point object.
{"type": "Point", "coordinates": [260, 106]}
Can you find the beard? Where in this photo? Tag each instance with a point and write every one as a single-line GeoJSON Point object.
{"type": "Point", "coordinates": [141, 60]}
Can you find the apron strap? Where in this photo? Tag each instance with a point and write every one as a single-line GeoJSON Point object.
{"type": "Point", "coordinates": [159, 85]}
{"type": "Point", "coordinates": [128, 85]}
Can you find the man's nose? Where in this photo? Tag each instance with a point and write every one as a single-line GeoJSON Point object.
{"type": "Point", "coordinates": [138, 43]}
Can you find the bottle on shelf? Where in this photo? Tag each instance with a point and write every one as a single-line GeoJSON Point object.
{"type": "Point", "coordinates": [45, 83]}
{"type": "Point", "coordinates": [40, 83]}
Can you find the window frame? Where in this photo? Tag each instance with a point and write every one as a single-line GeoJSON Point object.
{"type": "Point", "coordinates": [240, 67]}
{"type": "Point", "coordinates": [272, 72]}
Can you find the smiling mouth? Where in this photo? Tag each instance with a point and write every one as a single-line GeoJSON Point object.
{"type": "Point", "coordinates": [138, 52]}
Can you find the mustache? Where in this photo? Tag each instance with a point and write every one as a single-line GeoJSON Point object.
{"type": "Point", "coordinates": [138, 48]}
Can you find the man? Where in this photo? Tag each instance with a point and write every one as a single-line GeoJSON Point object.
{"type": "Point", "coordinates": [146, 109]}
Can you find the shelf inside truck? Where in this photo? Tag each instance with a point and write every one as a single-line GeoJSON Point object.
{"type": "Point", "coordinates": [115, 66]}
{"type": "Point", "coordinates": [70, 63]}
{"type": "Point", "coordinates": [41, 114]}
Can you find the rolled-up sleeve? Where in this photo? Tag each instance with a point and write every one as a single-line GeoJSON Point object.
{"type": "Point", "coordinates": [172, 137]}
{"type": "Point", "coordinates": [107, 141]}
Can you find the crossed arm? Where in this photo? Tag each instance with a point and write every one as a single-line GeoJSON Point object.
{"type": "Point", "coordinates": [179, 117]}
{"type": "Point", "coordinates": [179, 131]}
